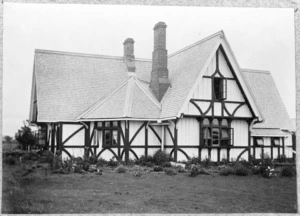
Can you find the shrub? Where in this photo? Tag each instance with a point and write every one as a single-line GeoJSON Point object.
{"type": "Point", "coordinates": [170, 171]}
{"type": "Point", "coordinates": [180, 169]}
{"type": "Point", "coordinates": [206, 162]}
{"type": "Point", "coordinates": [101, 162]}
{"type": "Point", "coordinates": [256, 170]}
{"type": "Point", "coordinates": [226, 171]}
{"type": "Point", "coordinates": [288, 171]}
{"type": "Point", "coordinates": [10, 160]}
{"type": "Point", "coordinates": [167, 164]}
{"type": "Point", "coordinates": [31, 156]}
{"type": "Point", "coordinates": [121, 169]}
{"type": "Point", "coordinates": [93, 159]}
{"type": "Point", "coordinates": [144, 161]}
{"type": "Point", "coordinates": [193, 160]}
{"type": "Point", "coordinates": [158, 169]}
{"type": "Point", "coordinates": [160, 157]}
{"type": "Point", "coordinates": [112, 163]}
{"type": "Point", "coordinates": [194, 171]}
{"type": "Point", "coordinates": [203, 171]}
{"type": "Point", "coordinates": [241, 170]}
{"type": "Point", "coordinates": [56, 163]}
{"type": "Point", "coordinates": [47, 156]}
{"type": "Point", "coordinates": [282, 159]}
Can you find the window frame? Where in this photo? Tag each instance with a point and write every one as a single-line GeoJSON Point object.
{"type": "Point", "coordinates": [107, 130]}
{"type": "Point", "coordinates": [219, 94]}
{"type": "Point", "coordinates": [255, 141]}
{"type": "Point", "coordinates": [208, 139]}
{"type": "Point", "coordinates": [273, 141]}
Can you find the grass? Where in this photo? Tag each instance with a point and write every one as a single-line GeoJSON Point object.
{"type": "Point", "coordinates": [41, 191]}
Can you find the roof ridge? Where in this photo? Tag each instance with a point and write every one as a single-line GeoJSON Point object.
{"type": "Point", "coordinates": [197, 43]}
{"type": "Point", "coordinates": [153, 99]}
{"type": "Point", "coordinates": [85, 54]}
{"type": "Point", "coordinates": [255, 71]}
{"type": "Point", "coordinates": [101, 100]}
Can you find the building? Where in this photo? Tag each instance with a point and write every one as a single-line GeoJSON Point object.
{"type": "Point", "coordinates": [196, 102]}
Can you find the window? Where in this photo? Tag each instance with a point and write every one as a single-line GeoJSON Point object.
{"type": "Point", "coordinates": [219, 88]}
{"type": "Point", "coordinates": [217, 133]}
{"type": "Point", "coordinates": [258, 141]}
{"type": "Point", "coordinates": [109, 133]}
{"type": "Point", "coordinates": [275, 141]}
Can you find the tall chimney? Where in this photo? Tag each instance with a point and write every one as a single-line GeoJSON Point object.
{"type": "Point", "coordinates": [159, 82]}
{"type": "Point", "coordinates": [129, 54]}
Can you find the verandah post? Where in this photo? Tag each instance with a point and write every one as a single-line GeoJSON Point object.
{"type": "Point", "coordinates": [87, 140]}
{"type": "Point", "coordinates": [126, 144]}
{"type": "Point", "coordinates": [175, 141]}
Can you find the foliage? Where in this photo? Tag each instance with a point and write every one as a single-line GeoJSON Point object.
{"type": "Point", "coordinates": [47, 157]}
{"type": "Point", "coordinates": [256, 170]}
{"type": "Point", "coordinates": [180, 169]}
{"type": "Point", "coordinates": [206, 162]}
{"type": "Point", "coordinates": [112, 163]}
{"type": "Point", "coordinates": [167, 164]}
{"type": "Point", "coordinates": [31, 156]}
{"type": "Point", "coordinates": [241, 170]}
{"type": "Point", "coordinates": [170, 171]}
{"type": "Point", "coordinates": [25, 136]}
{"type": "Point", "coordinates": [160, 157]}
{"type": "Point", "coordinates": [193, 160]}
{"type": "Point", "coordinates": [288, 171]}
{"type": "Point", "coordinates": [227, 170]}
{"type": "Point", "coordinates": [8, 139]}
{"type": "Point", "coordinates": [158, 169]}
{"type": "Point", "coordinates": [282, 159]}
{"type": "Point", "coordinates": [101, 162]}
{"type": "Point", "coordinates": [144, 161]}
{"type": "Point", "coordinates": [121, 169]}
{"type": "Point", "coordinates": [10, 160]}
{"type": "Point", "coordinates": [92, 159]}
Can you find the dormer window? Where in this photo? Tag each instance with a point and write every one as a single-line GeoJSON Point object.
{"type": "Point", "coordinates": [219, 88]}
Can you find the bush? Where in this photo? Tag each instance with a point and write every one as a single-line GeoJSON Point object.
{"type": "Point", "coordinates": [180, 169]}
{"type": "Point", "coordinates": [167, 164]}
{"type": "Point", "coordinates": [144, 161]}
{"type": "Point", "coordinates": [47, 156]}
{"type": "Point", "coordinates": [56, 163]}
{"type": "Point", "coordinates": [206, 162]}
{"type": "Point", "coordinates": [288, 171]}
{"type": "Point", "coordinates": [93, 159]}
{"type": "Point", "coordinates": [158, 169]}
{"type": "Point", "coordinates": [193, 160]}
{"type": "Point", "coordinates": [10, 160]}
{"type": "Point", "coordinates": [112, 163]}
{"type": "Point", "coordinates": [31, 156]}
{"type": "Point", "coordinates": [170, 171]}
{"type": "Point", "coordinates": [256, 170]}
{"type": "Point", "coordinates": [160, 157]}
{"type": "Point", "coordinates": [226, 171]}
{"type": "Point", "coordinates": [194, 171]}
{"type": "Point", "coordinates": [282, 159]}
{"type": "Point", "coordinates": [121, 169]}
{"type": "Point", "coordinates": [101, 162]}
{"type": "Point", "coordinates": [241, 170]}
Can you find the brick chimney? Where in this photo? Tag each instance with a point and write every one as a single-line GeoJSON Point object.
{"type": "Point", "coordinates": [129, 54]}
{"type": "Point", "coordinates": [159, 82]}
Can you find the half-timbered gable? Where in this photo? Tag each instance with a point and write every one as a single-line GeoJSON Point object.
{"type": "Point", "coordinates": [196, 102]}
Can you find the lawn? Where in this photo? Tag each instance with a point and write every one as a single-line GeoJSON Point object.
{"type": "Point", "coordinates": [44, 192]}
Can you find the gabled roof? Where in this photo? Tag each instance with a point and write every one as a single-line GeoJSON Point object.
{"type": "Point", "coordinates": [129, 100]}
{"type": "Point", "coordinates": [81, 87]}
{"type": "Point", "coordinates": [268, 100]}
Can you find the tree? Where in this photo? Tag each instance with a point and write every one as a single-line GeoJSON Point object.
{"type": "Point", "coordinates": [8, 139]}
{"type": "Point", "coordinates": [25, 136]}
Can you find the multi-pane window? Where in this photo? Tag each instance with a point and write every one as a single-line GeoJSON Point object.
{"type": "Point", "coordinates": [219, 88]}
{"type": "Point", "coordinates": [109, 133]}
{"type": "Point", "coordinates": [217, 132]}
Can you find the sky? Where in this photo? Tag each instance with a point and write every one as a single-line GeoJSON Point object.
{"type": "Point", "coordinates": [261, 38]}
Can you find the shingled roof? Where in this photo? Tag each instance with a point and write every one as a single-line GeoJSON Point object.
{"type": "Point", "coordinates": [83, 87]}
{"type": "Point", "coordinates": [268, 100]}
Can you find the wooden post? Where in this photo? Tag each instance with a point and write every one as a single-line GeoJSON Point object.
{"type": "Point", "coordinates": [60, 141]}
{"type": "Point", "coordinates": [162, 138]}
{"type": "Point", "coordinates": [126, 144]}
{"type": "Point", "coordinates": [119, 142]}
{"type": "Point", "coordinates": [175, 142]}
{"type": "Point", "coordinates": [283, 145]}
{"type": "Point", "coordinates": [87, 142]}
{"type": "Point", "coordinates": [52, 138]}
{"type": "Point", "coordinates": [146, 140]}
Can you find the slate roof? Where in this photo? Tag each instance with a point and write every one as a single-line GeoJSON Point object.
{"type": "Point", "coordinates": [268, 99]}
